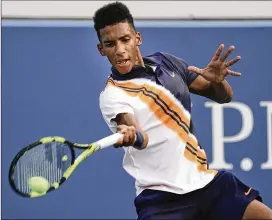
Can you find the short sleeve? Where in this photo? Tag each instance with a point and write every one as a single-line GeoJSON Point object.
{"type": "Point", "coordinates": [182, 68]}
{"type": "Point", "coordinates": [111, 105]}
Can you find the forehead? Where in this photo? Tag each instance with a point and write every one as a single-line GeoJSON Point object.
{"type": "Point", "coordinates": [116, 31]}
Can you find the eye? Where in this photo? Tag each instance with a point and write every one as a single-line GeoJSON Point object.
{"type": "Point", "coordinates": [109, 44]}
{"type": "Point", "coordinates": [126, 40]}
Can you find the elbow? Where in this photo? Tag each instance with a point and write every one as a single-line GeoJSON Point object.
{"type": "Point", "coordinates": [227, 98]}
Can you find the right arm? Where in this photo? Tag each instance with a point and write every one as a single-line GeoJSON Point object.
{"type": "Point", "coordinates": [127, 125]}
{"type": "Point", "coordinates": [119, 116]}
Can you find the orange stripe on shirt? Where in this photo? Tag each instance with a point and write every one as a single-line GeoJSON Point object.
{"type": "Point", "coordinates": [168, 118]}
{"type": "Point", "coordinates": [162, 95]}
{"type": "Point", "coordinates": [165, 118]}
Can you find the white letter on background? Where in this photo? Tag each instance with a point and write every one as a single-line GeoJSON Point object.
{"type": "Point", "coordinates": [268, 163]}
{"type": "Point", "coordinates": [218, 137]}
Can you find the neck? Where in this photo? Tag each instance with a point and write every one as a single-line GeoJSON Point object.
{"type": "Point", "coordinates": [139, 60]}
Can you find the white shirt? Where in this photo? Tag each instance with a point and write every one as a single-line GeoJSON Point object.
{"type": "Point", "coordinates": [172, 160]}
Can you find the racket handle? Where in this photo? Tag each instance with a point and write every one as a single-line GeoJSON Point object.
{"type": "Point", "coordinates": [110, 140]}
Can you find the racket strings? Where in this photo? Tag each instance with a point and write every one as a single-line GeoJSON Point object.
{"type": "Point", "coordinates": [45, 160]}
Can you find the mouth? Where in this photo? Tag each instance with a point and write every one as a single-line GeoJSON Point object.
{"type": "Point", "coordinates": [122, 62]}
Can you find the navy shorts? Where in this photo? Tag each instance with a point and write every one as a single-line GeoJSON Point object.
{"type": "Point", "coordinates": [224, 198]}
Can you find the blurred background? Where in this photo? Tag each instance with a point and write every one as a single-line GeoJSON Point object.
{"type": "Point", "coordinates": [52, 75]}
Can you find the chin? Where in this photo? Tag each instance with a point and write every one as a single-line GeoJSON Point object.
{"type": "Point", "coordinates": [124, 70]}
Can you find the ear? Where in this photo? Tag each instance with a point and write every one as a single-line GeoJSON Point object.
{"type": "Point", "coordinates": [100, 49]}
{"type": "Point", "coordinates": [138, 38]}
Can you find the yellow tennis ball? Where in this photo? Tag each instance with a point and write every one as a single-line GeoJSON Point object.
{"type": "Point", "coordinates": [35, 194]}
{"type": "Point", "coordinates": [38, 184]}
{"type": "Point", "coordinates": [64, 158]}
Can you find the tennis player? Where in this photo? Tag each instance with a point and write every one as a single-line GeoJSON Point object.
{"type": "Point", "coordinates": [148, 100]}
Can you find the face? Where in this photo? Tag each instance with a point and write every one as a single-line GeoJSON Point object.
{"type": "Point", "coordinates": [120, 43]}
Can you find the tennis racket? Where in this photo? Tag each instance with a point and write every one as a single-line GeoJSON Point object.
{"type": "Point", "coordinates": [52, 158]}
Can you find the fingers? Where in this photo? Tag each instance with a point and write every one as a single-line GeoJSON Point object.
{"type": "Point", "coordinates": [228, 52]}
{"type": "Point", "coordinates": [129, 135]}
{"type": "Point", "coordinates": [218, 52]}
{"type": "Point", "coordinates": [225, 56]}
{"type": "Point", "coordinates": [118, 143]}
{"type": "Point", "coordinates": [230, 72]}
{"type": "Point", "coordinates": [233, 61]}
{"type": "Point", "coordinates": [230, 63]}
{"type": "Point", "coordinates": [195, 70]}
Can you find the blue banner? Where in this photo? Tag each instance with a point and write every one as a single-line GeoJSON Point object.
{"type": "Point", "coordinates": [52, 76]}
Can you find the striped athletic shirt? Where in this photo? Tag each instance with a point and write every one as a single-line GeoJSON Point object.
{"type": "Point", "coordinates": [159, 98]}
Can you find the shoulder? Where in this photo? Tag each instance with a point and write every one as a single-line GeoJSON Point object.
{"type": "Point", "coordinates": [160, 57]}
{"type": "Point", "coordinates": [175, 60]}
{"type": "Point", "coordinates": [109, 90]}
{"type": "Point", "coordinates": [178, 64]}
{"type": "Point", "coordinates": [111, 93]}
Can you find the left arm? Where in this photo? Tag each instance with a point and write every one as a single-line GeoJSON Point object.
{"type": "Point", "coordinates": [219, 92]}
{"type": "Point", "coordinates": [210, 81]}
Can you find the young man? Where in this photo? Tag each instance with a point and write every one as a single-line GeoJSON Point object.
{"type": "Point", "coordinates": [148, 100]}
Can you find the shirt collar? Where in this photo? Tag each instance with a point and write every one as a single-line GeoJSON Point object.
{"type": "Point", "coordinates": [136, 72]}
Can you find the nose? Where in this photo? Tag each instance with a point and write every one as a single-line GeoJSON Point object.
{"type": "Point", "coordinates": [120, 49]}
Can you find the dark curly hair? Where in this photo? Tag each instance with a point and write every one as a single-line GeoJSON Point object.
{"type": "Point", "coordinates": [110, 14]}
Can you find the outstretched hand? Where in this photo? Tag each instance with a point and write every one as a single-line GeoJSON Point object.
{"type": "Point", "coordinates": [217, 69]}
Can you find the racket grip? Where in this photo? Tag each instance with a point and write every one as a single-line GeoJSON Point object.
{"type": "Point", "coordinates": [108, 141]}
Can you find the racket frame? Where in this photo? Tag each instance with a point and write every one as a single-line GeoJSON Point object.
{"type": "Point", "coordinates": [89, 149]}
{"type": "Point", "coordinates": [45, 140]}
